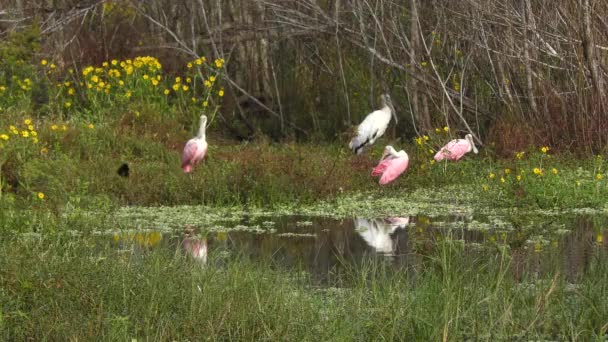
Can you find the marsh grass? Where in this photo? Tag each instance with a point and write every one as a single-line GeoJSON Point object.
{"type": "Point", "coordinates": [58, 287]}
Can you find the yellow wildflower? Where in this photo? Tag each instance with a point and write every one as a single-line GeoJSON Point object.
{"type": "Point", "coordinates": [220, 93]}
{"type": "Point", "coordinates": [178, 79]}
{"type": "Point", "coordinates": [485, 188]}
{"type": "Point", "coordinates": [4, 136]}
{"type": "Point", "coordinates": [35, 140]}
{"type": "Point", "coordinates": [25, 134]}
{"type": "Point", "coordinates": [519, 155]}
{"type": "Point", "coordinates": [71, 91]}
{"type": "Point", "coordinates": [518, 178]}
{"type": "Point", "coordinates": [114, 62]}
{"type": "Point", "coordinates": [167, 91]}
{"type": "Point", "coordinates": [185, 88]}
{"type": "Point", "coordinates": [554, 171]}
{"type": "Point", "coordinates": [207, 84]}
{"type": "Point", "coordinates": [578, 183]}
{"type": "Point", "coordinates": [44, 62]}
{"type": "Point", "coordinates": [537, 171]}
{"type": "Point", "coordinates": [205, 103]}
{"type": "Point", "coordinates": [437, 130]}
{"type": "Point", "coordinates": [426, 137]}
{"type": "Point", "coordinates": [432, 161]}
{"type": "Point", "coordinates": [44, 150]}
{"type": "Point", "coordinates": [446, 129]}
{"type": "Point", "coordinates": [146, 77]}
{"type": "Point", "coordinates": [121, 83]}
{"type": "Point", "coordinates": [154, 82]}
{"type": "Point", "coordinates": [94, 79]}
{"type": "Point", "coordinates": [212, 78]}
{"type": "Point", "coordinates": [502, 179]}
{"type": "Point", "coordinates": [423, 64]}
{"type": "Point", "coordinates": [599, 176]}
{"type": "Point", "coordinates": [544, 149]}
{"type": "Point", "coordinates": [30, 127]}
{"type": "Point", "coordinates": [27, 122]}
{"type": "Point", "coordinates": [507, 171]}
{"type": "Point", "coordinates": [54, 127]}
{"type": "Point", "coordinates": [128, 94]}
{"type": "Point", "coordinates": [67, 104]}
{"type": "Point", "coordinates": [431, 151]}
{"type": "Point", "coordinates": [52, 66]}
{"type": "Point", "coordinates": [219, 62]}
{"type": "Point", "coordinates": [41, 195]}
{"type": "Point", "coordinates": [176, 87]}
{"type": "Point", "coordinates": [419, 141]}
{"type": "Point", "coordinates": [491, 175]}
{"type": "Point", "coordinates": [34, 133]}
{"type": "Point", "coordinates": [188, 80]}
{"type": "Point", "coordinates": [189, 65]}
{"type": "Point", "coordinates": [91, 126]}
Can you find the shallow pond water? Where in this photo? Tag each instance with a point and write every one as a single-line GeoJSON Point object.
{"type": "Point", "coordinates": [324, 246]}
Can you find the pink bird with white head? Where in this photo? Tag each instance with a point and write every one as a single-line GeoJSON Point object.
{"type": "Point", "coordinates": [391, 165]}
{"type": "Point", "coordinates": [195, 148]}
{"type": "Point", "coordinates": [456, 149]}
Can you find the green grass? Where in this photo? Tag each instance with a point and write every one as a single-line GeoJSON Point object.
{"type": "Point", "coordinates": [59, 287]}
{"type": "Point", "coordinates": [76, 167]}
{"type": "Point", "coordinates": [59, 281]}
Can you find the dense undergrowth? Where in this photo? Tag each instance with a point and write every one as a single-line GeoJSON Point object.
{"type": "Point", "coordinates": [56, 163]}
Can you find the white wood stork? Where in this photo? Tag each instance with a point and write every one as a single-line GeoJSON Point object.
{"type": "Point", "coordinates": [373, 126]}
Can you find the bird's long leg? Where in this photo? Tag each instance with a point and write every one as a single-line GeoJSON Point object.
{"type": "Point", "coordinates": [445, 166]}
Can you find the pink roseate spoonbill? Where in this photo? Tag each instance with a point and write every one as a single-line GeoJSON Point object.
{"type": "Point", "coordinates": [456, 149]}
{"type": "Point", "coordinates": [373, 126]}
{"type": "Point", "coordinates": [391, 165]}
{"type": "Point", "coordinates": [195, 148]}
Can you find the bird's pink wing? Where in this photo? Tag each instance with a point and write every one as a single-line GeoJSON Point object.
{"type": "Point", "coordinates": [189, 152]}
{"type": "Point", "coordinates": [394, 168]}
{"type": "Point", "coordinates": [453, 150]}
{"type": "Point", "coordinates": [458, 149]}
{"type": "Point", "coordinates": [200, 153]}
{"type": "Point", "coordinates": [377, 171]}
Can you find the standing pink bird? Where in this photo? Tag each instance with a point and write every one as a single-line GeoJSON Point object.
{"type": "Point", "coordinates": [195, 148]}
{"type": "Point", "coordinates": [391, 165]}
{"type": "Point", "coordinates": [456, 148]}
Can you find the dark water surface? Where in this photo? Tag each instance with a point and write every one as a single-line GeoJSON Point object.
{"type": "Point", "coordinates": [324, 246]}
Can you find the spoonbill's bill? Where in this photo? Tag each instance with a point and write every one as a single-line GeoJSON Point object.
{"type": "Point", "coordinates": [456, 149]}
{"type": "Point", "coordinates": [373, 126]}
{"type": "Point", "coordinates": [195, 148]}
{"type": "Point", "coordinates": [391, 165]}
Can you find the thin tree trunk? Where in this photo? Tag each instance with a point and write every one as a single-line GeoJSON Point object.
{"type": "Point", "coordinates": [527, 57]}
{"type": "Point", "coordinates": [422, 116]}
{"type": "Point", "coordinates": [589, 53]}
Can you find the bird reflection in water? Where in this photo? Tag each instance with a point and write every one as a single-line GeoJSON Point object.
{"type": "Point", "coordinates": [379, 234]}
{"type": "Point", "coordinates": [195, 246]}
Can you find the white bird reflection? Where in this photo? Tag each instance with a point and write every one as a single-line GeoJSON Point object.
{"type": "Point", "coordinates": [378, 233]}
